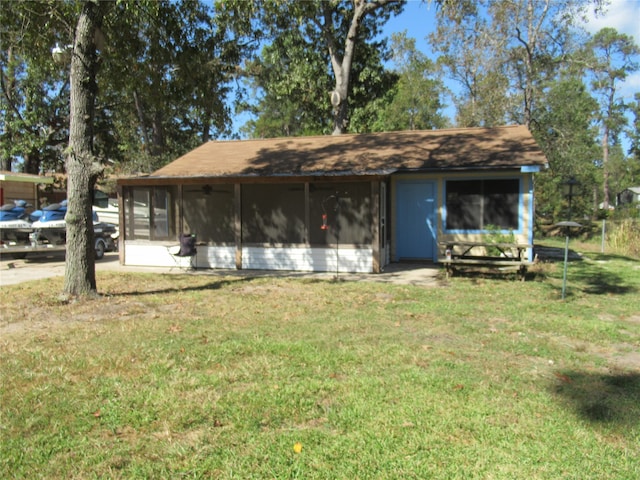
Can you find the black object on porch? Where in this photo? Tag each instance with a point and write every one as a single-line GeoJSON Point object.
{"type": "Point", "coordinates": [187, 249]}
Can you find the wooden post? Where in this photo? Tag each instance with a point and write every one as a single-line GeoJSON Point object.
{"type": "Point", "coordinates": [237, 189]}
{"type": "Point", "coordinates": [122, 227]}
{"type": "Point", "coordinates": [375, 225]}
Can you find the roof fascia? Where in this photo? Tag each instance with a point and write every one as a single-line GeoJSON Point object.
{"type": "Point", "coordinates": [25, 178]}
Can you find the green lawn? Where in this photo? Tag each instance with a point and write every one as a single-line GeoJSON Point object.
{"type": "Point", "coordinates": [182, 376]}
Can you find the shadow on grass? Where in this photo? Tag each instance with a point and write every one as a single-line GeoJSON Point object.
{"type": "Point", "coordinates": [601, 398]}
{"type": "Point", "coordinates": [555, 254]}
{"type": "Point", "coordinates": [488, 273]}
{"type": "Point", "coordinates": [589, 273]}
{"type": "Point", "coordinates": [180, 287]}
{"type": "Point", "coordinates": [221, 281]}
{"type": "Point", "coordinates": [599, 281]}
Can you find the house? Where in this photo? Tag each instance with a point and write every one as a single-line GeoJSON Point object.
{"type": "Point", "coordinates": [348, 203]}
{"type": "Point", "coordinates": [629, 196]}
{"type": "Point", "coordinates": [21, 186]}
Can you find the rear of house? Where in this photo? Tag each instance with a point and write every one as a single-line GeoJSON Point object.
{"type": "Point", "coordinates": [349, 203]}
{"type": "Point", "coordinates": [629, 196]}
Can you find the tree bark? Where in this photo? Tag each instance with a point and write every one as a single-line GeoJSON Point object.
{"type": "Point", "coordinates": [82, 168]}
{"type": "Point", "coordinates": [342, 66]}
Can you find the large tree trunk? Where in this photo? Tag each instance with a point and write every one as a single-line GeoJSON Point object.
{"type": "Point", "coordinates": [82, 169]}
{"type": "Point", "coordinates": [32, 162]}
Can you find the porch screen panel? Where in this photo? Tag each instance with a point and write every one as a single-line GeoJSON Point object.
{"type": "Point", "coordinates": [273, 213]}
{"type": "Point", "coordinates": [162, 213]}
{"type": "Point", "coordinates": [208, 212]}
{"type": "Point", "coordinates": [347, 207]}
{"type": "Point", "coordinates": [482, 204]}
{"type": "Point", "coordinates": [141, 210]}
{"type": "Point", "coordinates": [149, 213]}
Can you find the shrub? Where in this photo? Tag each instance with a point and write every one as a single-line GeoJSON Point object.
{"type": "Point", "coordinates": [623, 237]}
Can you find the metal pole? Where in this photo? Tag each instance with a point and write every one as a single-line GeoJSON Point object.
{"type": "Point", "coordinates": [337, 249]}
{"type": "Point", "coordinates": [337, 210]}
{"type": "Point", "coordinates": [564, 275]}
{"type": "Point", "coordinates": [567, 226]}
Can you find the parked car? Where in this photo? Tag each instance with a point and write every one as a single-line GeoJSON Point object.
{"type": "Point", "coordinates": [106, 238]}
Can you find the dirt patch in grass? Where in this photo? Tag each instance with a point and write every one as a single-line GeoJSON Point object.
{"type": "Point", "coordinates": [43, 320]}
{"type": "Point", "coordinates": [625, 356]}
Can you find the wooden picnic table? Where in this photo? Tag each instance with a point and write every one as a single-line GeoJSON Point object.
{"type": "Point", "coordinates": [462, 253]}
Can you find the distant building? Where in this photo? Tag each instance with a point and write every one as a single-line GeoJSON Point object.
{"type": "Point", "coordinates": [628, 196]}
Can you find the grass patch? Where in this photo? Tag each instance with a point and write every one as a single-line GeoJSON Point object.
{"type": "Point", "coordinates": [170, 376]}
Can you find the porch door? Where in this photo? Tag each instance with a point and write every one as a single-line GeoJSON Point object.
{"type": "Point", "coordinates": [416, 220]}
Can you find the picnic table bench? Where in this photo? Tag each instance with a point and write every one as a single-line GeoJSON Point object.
{"type": "Point", "coordinates": [508, 256]}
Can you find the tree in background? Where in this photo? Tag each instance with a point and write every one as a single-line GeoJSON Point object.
{"type": "Point", "coordinates": [169, 78]}
{"type": "Point", "coordinates": [503, 53]}
{"type": "Point", "coordinates": [335, 37]}
{"type": "Point", "coordinates": [34, 90]}
{"type": "Point", "coordinates": [634, 137]}
{"type": "Point", "coordinates": [567, 134]}
{"type": "Point", "coordinates": [342, 54]}
{"type": "Point", "coordinates": [415, 101]}
{"type": "Point", "coordinates": [612, 56]}
{"type": "Point", "coordinates": [288, 82]}
{"type": "Point", "coordinates": [164, 83]}
{"type": "Point", "coordinates": [469, 54]}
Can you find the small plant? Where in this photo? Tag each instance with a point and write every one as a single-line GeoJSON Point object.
{"type": "Point", "coordinates": [496, 235]}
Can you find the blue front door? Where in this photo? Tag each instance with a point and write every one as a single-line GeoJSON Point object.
{"type": "Point", "coordinates": [416, 220]}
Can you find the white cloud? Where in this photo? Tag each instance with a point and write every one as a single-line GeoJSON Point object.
{"type": "Point", "coordinates": [623, 15]}
{"type": "Point", "coordinates": [631, 86]}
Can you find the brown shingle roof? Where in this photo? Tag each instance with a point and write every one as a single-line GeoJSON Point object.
{"type": "Point", "coordinates": [365, 154]}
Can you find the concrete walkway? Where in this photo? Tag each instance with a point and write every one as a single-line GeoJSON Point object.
{"type": "Point", "coordinates": [37, 266]}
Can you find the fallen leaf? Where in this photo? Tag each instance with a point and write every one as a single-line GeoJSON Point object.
{"type": "Point", "coordinates": [563, 378]}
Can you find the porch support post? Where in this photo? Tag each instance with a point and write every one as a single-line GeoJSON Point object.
{"type": "Point", "coordinates": [237, 193]}
{"type": "Point", "coordinates": [179, 203]}
{"type": "Point", "coordinates": [375, 225]}
{"type": "Point", "coordinates": [307, 215]}
{"type": "Point", "coordinates": [122, 229]}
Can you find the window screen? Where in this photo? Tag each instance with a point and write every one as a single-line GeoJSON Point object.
{"type": "Point", "coordinates": [481, 204]}
{"type": "Point", "coordinates": [208, 211]}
